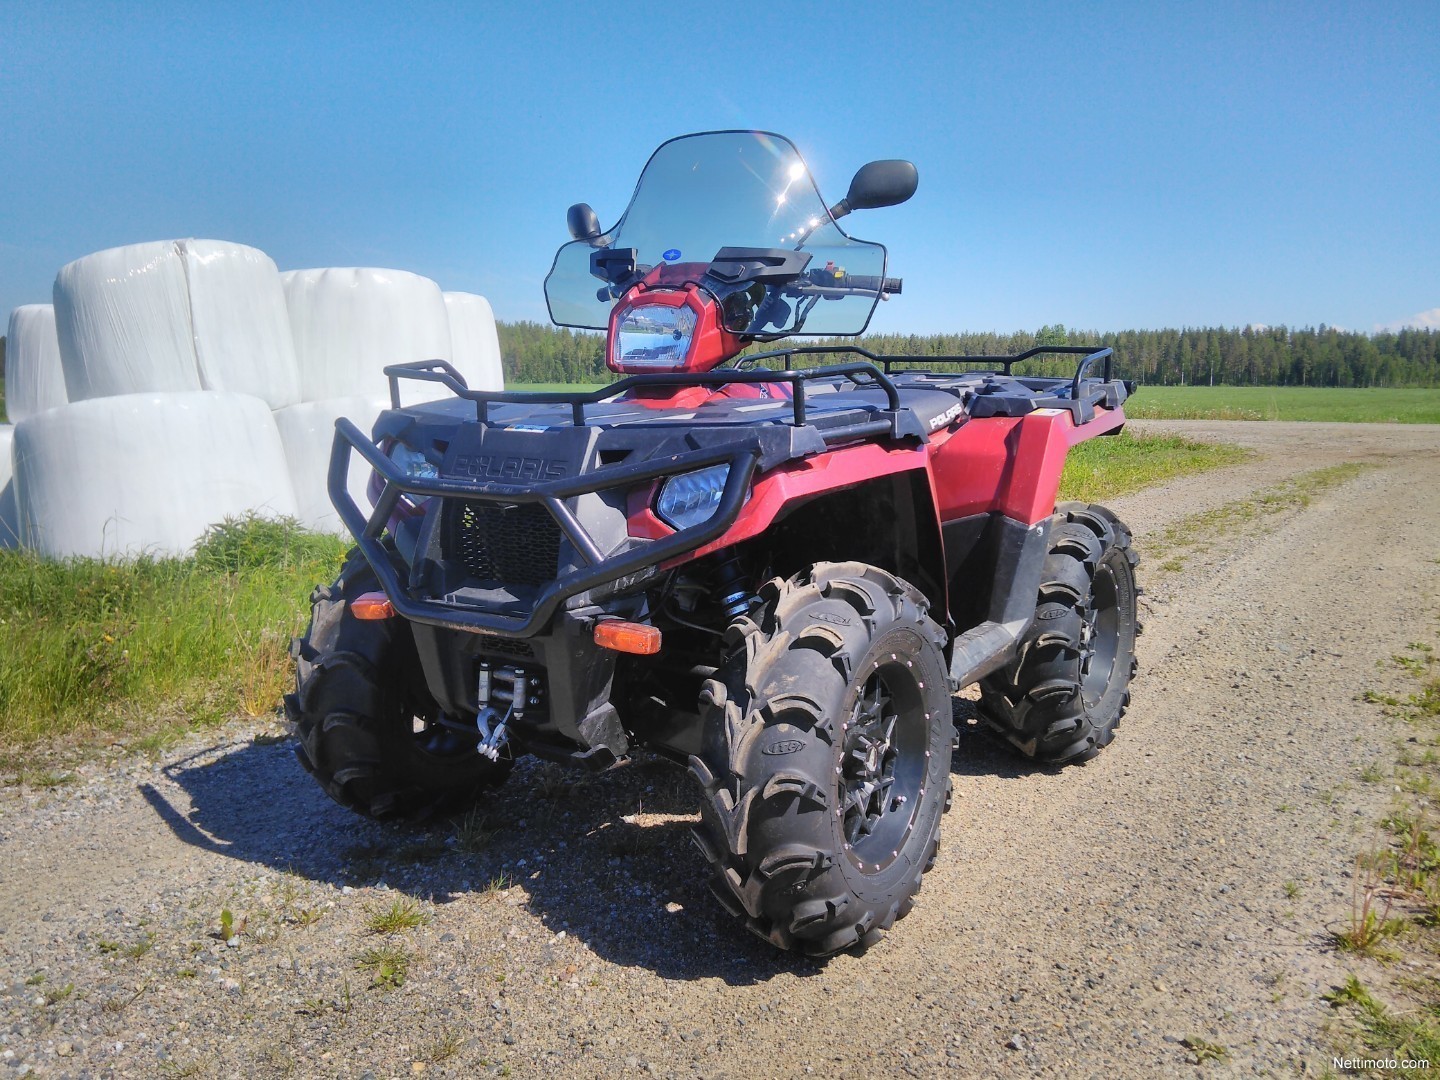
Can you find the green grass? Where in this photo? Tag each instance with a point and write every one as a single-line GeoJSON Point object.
{"type": "Point", "coordinates": [1115, 465]}
{"type": "Point", "coordinates": [1388, 1034]}
{"type": "Point", "coordinates": [399, 916]}
{"type": "Point", "coordinates": [90, 647]}
{"type": "Point", "coordinates": [387, 966]}
{"type": "Point", "coordinates": [1285, 403]}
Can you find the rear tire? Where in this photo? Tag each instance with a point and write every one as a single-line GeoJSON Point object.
{"type": "Point", "coordinates": [826, 761]}
{"type": "Point", "coordinates": [1062, 697]}
{"type": "Point", "coordinates": [364, 719]}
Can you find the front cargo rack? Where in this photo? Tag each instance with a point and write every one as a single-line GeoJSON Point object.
{"type": "Point", "coordinates": [862, 373]}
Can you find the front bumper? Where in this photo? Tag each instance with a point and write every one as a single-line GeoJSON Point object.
{"type": "Point", "coordinates": [597, 570]}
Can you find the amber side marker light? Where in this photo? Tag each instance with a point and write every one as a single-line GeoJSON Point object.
{"type": "Point", "coordinates": [372, 605]}
{"type": "Point", "coordinates": [630, 637]}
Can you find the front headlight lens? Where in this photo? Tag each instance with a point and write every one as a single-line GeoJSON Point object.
{"type": "Point", "coordinates": [692, 498]}
{"type": "Point", "coordinates": [654, 336]}
{"type": "Point", "coordinates": [415, 466]}
{"type": "Point", "coordinates": [413, 463]}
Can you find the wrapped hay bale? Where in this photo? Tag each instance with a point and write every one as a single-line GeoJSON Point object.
{"type": "Point", "coordinates": [122, 318]}
{"type": "Point", "coordinates": [307, 431]}
{"type": "Point", "coordinates": [349, 323]}
{"type": "Point", "coordinates": [474, 341]}
{"type": "Point", "coordinates": [175, 315]}
{"type": "Point", "coordinates": [242, 330]}
{"type": "Point", "coordinates": [145, 473]}
{"type": "Point", "coordinates": [9, 519]}
{"type": "Point", "coordinates": [34, 379]}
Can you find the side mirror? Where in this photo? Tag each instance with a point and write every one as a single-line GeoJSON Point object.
{"type": "Point", "coordinates": [880, 183]}
{"type": "Point", "coordinates": [582, 221]}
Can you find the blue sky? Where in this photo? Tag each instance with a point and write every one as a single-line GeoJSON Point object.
{"type": "Point", "coordinates": [1106, 166]}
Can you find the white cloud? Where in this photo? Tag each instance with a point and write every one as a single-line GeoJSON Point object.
{"type": "Point", "coordinates": [1425, 320]}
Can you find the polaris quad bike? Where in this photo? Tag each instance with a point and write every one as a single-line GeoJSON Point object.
{"type": "Point", "coordinates": [773, 573]}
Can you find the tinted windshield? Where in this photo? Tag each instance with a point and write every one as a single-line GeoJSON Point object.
{"type": "Point", "coordinates": [701, 193]}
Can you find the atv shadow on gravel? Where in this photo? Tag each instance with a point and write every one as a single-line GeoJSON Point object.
{"type": "Point", "coordinates": [980, 751]}
{"type": "Point", "coordinates": [606, 858]}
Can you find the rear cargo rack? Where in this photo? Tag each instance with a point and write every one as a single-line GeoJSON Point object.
{"type": "Point", "coordinates": [1088, 355]}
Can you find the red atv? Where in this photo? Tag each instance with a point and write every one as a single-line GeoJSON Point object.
{"type": "Point", "coordinates": [776, 574]}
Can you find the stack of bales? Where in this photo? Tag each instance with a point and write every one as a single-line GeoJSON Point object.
{"type": "Point", "coordinates": [195, 383]}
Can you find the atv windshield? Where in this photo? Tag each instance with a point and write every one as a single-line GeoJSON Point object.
{"type": "Point", "coordinates": [746, 189]}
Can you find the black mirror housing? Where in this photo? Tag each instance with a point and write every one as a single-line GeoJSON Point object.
{"type": "Point", "coordinates": [582, 221]}
{"type": "Point", "coordinates": [882, 183]}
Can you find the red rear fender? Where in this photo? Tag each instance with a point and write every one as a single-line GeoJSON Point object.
{"type": "Point", "coordinates": [1010, 465]}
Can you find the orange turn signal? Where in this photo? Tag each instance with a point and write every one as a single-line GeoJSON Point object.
{"type": "Point", "coordinates": [372, 605]}
{"type": "Point", "coordinates": [631, 637]}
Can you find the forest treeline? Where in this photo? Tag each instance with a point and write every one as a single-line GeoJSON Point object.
{"type": "Point", "coordinates": [1252, 356]}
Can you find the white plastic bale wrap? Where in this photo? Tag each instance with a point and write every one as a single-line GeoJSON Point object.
{"type": "Point", "coordinates": [123, 322]}
{"type": "Point", "coordinates": [34, 380]}
{"type": "Point", "coordinates": [307, 432]}
{"type": "Point", "coordinates": [474, 341]}
{"type": "Point", "coordinates": [9, 518]}
{"type": "Point", "coordinates": [145, 473]}
{"type": "Point", "coordinates": [349, 324]}
{"type": "Point", "coordinates": [175, 315]}
{"type": "Point", "coordinates": [242, 330]}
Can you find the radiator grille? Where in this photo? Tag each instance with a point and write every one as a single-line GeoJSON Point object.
{"type": "Point", "coordinates": [510, 543]}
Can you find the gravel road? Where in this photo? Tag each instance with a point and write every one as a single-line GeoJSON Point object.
{"type": "Point", "coordinates": [1081, 922]}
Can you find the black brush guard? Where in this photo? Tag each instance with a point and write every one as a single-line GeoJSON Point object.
{"type": "Point", "coordinates": [742, 456]}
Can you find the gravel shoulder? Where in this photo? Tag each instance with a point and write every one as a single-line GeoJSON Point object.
{"type": "Point", "coordinates": [1080, 922]}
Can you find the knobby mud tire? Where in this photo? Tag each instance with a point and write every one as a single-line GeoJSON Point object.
{"type": "Point", "coordinates": [358, 694]}
{"type": "Point", "coordinates": [808, 679]}
{"type": "Point", "coordinates": [1060, 700]}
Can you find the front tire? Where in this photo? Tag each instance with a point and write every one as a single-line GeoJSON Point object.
{"type": "Point", "coordinates": [826, 761]}
{"type": "Point", "coordinates": [1060, 700]}
{"type": "Point", "coordinates": [365, 721]}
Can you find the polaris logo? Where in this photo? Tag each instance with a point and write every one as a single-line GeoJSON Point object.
{"type": "Point", "coordinates": [500, 467]}
{"type": "Point", "coordinates": [945, 417]}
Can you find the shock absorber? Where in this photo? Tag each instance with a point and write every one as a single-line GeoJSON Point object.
{"type": "Point", "coordinates": [736, 599]}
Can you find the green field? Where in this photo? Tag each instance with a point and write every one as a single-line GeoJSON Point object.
{"type": "Point", "coordinates": [1285, 403]}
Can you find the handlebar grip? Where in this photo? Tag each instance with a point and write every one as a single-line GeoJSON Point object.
{"type": "Point", "coordinates": [870, 282]}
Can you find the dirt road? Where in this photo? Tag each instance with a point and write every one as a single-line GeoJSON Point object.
{"type": "Point", "coordinates": [1080, 922]}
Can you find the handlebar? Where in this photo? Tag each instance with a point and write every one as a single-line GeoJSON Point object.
{"type": "Point", "coordinates": [830, 283]}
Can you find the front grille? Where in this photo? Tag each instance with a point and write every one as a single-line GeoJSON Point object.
{"type": "Point", "coordinates": [488, 643]}
{"type": "Point", "coordinates": [509, 543]}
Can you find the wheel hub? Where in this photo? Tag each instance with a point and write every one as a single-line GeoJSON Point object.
{"type": "Point", "coordinates": [868, 768]}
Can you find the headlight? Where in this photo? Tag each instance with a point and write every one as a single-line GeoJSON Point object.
{"type": "Point", "coordinates": [653, 336]}
{"type": "Point", "coordinates": [692, 498]}
{"type": "Point", "coordinates": [414, 465]}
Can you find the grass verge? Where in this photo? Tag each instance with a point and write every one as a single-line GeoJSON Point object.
{"type": "Point", "coordinates": [92, 647]}
{"type": "Point", "coordinates": [1193, 535]}
{"type": "Point", "coordinates": [1369, 406]}
{"type": "Point", "coordinates": [1116, 465]}
{"type": "Point", "coordinates": [1395, 915]}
